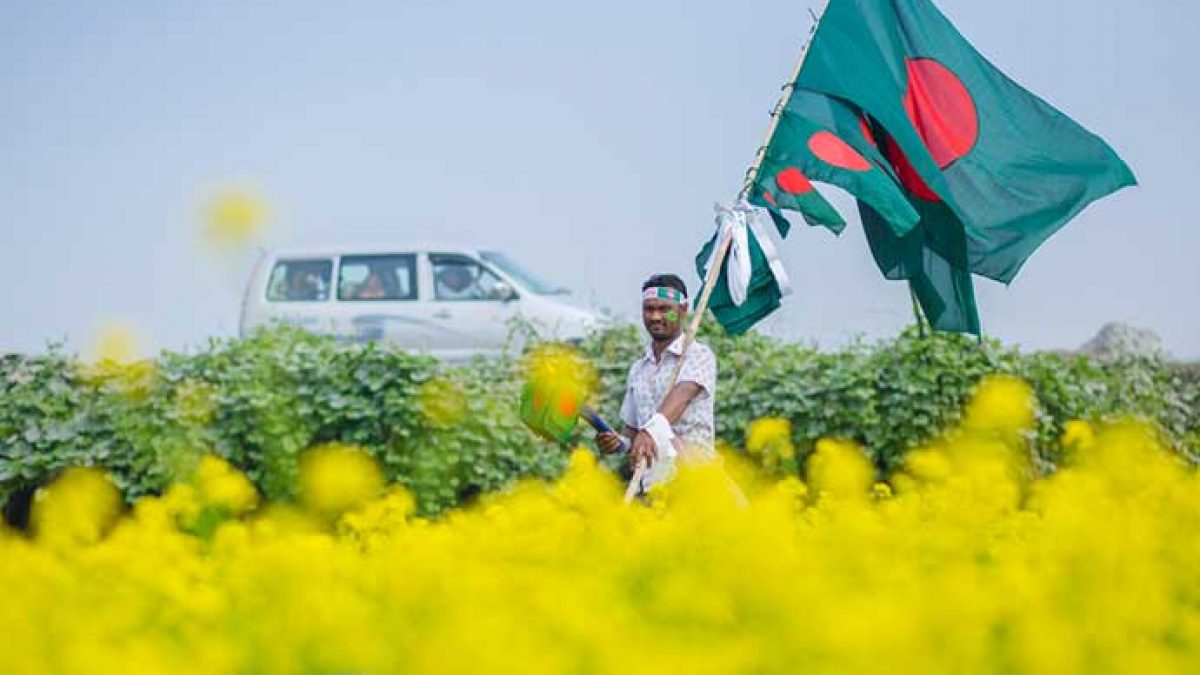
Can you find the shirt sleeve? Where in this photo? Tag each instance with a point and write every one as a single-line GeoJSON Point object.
{"type": "Point", "coordinates": [700, 367]}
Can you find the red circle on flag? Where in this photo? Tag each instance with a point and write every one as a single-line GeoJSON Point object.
{"type": "Point", "coordinates": [908, 176]}
{"type": "Point", "coordinates": [769, 199]}
{"type": "Point", "coordinates": [833, 150]}
{"type": "Point", "coordinates": [941, 109]}
{"type": "Point", "coordinates": [792, 181]}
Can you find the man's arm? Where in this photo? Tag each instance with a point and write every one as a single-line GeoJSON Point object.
{"type": "Point", "coordinates": [612, 441]}
{"type": "Point", "coordinates": [676, 401]}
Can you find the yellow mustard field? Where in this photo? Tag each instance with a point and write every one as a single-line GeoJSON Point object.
{"type": "Point", "coordinates": [964, 562]}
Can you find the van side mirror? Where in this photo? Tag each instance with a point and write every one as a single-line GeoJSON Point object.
{"type": "Point", "coordinates": [502, 291]}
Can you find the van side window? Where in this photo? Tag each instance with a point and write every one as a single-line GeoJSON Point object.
{"type": "Point", "coordinates": [300, 280]}
{"type": "Point", "coordinates": [460, 277]}
{"type": "Point", "coordinates": [378, 277]}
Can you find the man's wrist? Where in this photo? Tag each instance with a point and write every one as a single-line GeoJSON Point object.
{"type": "Point", "coordinates": [659, 429]}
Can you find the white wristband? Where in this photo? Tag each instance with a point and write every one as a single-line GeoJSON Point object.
{"type": "Point", "coordinates": [660, 430]}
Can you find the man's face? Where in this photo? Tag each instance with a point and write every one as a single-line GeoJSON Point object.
{"type": "Point", "coordinates": [456, 278]}
{"type": "Point", "coordinates": [662, 318]}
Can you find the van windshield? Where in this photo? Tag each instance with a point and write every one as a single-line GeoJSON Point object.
{"type": "Point", "coordinates": [526, 278]}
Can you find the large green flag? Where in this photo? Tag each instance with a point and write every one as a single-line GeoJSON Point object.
{"type": "Point", "coordinates": [944, 290]}
{"type": "Point", "coordinates": [830, 141]}
{"type": "Point", "coordinates": [981, 158]}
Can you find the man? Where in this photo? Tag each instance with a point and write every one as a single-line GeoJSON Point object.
{"type": "Point", "coordinates": [371, 288]}
{"type": "Point", "coordinates": [454, 281]}
{"type": "Point", "coordinates": [659, 423]}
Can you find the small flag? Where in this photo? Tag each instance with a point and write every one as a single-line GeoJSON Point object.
{"type": "Point", "coordinates": [752, 279]}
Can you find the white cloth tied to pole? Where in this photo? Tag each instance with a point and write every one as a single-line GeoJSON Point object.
{"type": "Point", "coordinates": [738, 221]}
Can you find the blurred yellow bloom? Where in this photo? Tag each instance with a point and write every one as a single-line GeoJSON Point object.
{"type": "Point", "coordinates": [336, 477]}
{"type": "Point", "coordinates": [928, 464]}
{"type": "Point", "coordinates": [222, 486]}
{"type": "Point", "coordinates": [769, 443]}
{"type": "Point", "coordinates": [194, 401]}
{"type": "Point", "coordinates": [969, 565]}
{"type": "Point", "coordinates": [839, 468]}
{"type": "Point", "coordinates": [234, 218]}
{"type": "Point", "coordinates": [770, 435]}
{"type": "Point", "coordinates": [116, 343]}
{"type": "Point", "coordinates": [442, 402]}
{"type": "Point", "coordinates": [881, 490]}
{"type": "Point", "coordinates": [1077, 435]}
{"type": "Point", "coordinates": [555, 367]}
{"type": "Point", "coordinates": [1001, 403]}
{"type": "Point", "coordinates": [77, 508]}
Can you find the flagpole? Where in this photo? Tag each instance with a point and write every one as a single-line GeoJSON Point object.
{"type": "Point", "coordinates": [777, 111]}
{"type": "Point", "coordinates": [917, 314]}
{"type": "Point", "coordinates": [718, 259]}
{"type": "Point", "coordinates": [722, 249]}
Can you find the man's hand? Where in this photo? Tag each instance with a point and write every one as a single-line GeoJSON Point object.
{"type": "Point", "coordinates": [643, 449]}
{"type": "Point", "coordinates": [609, 441]}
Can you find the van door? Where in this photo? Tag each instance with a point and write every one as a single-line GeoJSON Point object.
{"type": "Point", "coordinates": [471, 306]}
{"type": "Point", "coordinates": [377, 299]}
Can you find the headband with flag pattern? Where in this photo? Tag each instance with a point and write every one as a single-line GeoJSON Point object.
{"type": "Point", "coordinates": [664, 293]}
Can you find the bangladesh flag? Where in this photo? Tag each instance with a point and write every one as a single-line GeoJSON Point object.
{"type": "Point", "coordinates": [791, 189]}
{"type": "Point", "coordinates": [820, 138]}
{"type": "Point", "coordinates": [992, 169]}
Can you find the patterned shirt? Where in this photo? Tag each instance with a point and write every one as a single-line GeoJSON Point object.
{"type": "Point", "coordinates": [648, 382]}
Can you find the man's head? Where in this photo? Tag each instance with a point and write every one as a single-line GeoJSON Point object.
{"type": "Point", "coordinates": [455, 277]}
{"type": "Point", "coordinates": [664, 306]}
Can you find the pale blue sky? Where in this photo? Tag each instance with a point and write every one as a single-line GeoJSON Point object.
{"type": "Point", "coordinates": [587, 139]}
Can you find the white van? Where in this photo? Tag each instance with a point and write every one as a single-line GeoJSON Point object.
{"type": "Point", "coordinates": [450, 302]}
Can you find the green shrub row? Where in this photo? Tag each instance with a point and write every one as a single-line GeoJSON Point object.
{"type": "Point", "coordinates": [894, 394]}
{"type": "Point", "coordinates": [449, 433]}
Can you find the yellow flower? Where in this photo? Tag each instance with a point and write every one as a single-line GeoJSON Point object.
{"type": "Point", "coordinates": [234, 218]}
{"type": "Point", "coordinates": [77, 508]}
{"type": "Point", "coordinates": [838, 468]}
{"type": "Point", "coordinates": [970, 565]}
{"type": "Point", "coordinates": [222, 486]}
{"type": "Point", "coordinates": [770, 435]}
{"type": "Point", "coordinates": [442, 402]}
{"type": "Point", "coordinates": [556, 367]}
{"type": "Point", "coordinates": [195, 402]}
{"type": "Point", "coordinates": [117, 343]}
{"type": "Point", "coordinates": [336, 477]}
{"type": "Point", "coordinates": [1077, 435]}
{"type": "Point", "coordinates": [1001, 403]}
{"type": "Point", "coordinates": [928, 464]}
{"type": "Point", "coordinates": [881, 491]}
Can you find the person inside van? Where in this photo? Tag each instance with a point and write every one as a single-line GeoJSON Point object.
{"type": "Point", "coordinates": [304, 285]}
{"type": "Point", "coordinates": [371, 288]}
{"type": "Point", "coordinates": [456, 282]}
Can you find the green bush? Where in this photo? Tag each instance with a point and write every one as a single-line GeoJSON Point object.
{"type": "Point", "coordinates": [449, 433]}
{"type": "Point", "coordinates": [259, 403]}
{"type": "Point", "coordinates": [898, 393]}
